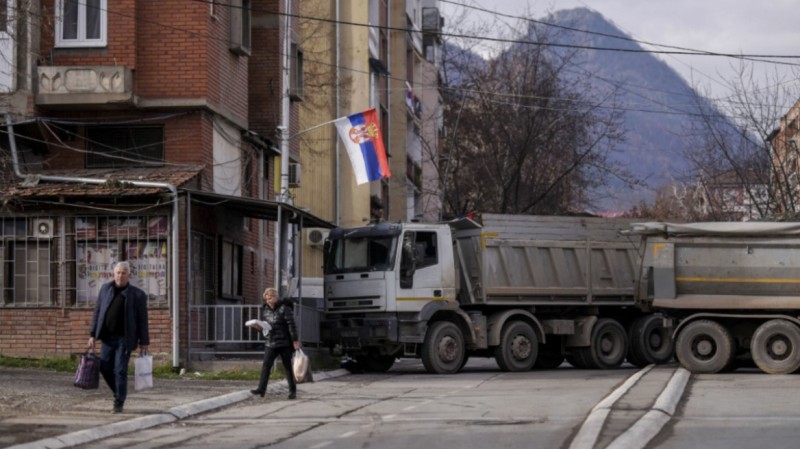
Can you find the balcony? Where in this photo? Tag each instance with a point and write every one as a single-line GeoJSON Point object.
{"type": "Point", "coordinates": [72, 86]}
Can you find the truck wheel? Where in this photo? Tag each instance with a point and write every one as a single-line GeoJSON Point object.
{"type": "Point", "coordinates": [609, 344]}
{"type": "Point", "coordinates": [518, 347]}
{"type": "Point", "coordinates": [704, 347]}
{"type": "Point", "coordinates": [775, 347]}
{"type": "Point", "coordinates": [377, 363]}
{"type": "Point", "coordinates": [443, 350]}
{"type": "Point", "coordinates": [650, 342]}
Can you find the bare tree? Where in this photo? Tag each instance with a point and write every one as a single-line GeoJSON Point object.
{"type": "Point", "coordinates": [523, 136]}
{"type": "Point", "coordinates": [731, 148]}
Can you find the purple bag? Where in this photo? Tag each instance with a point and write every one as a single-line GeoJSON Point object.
{"type": "Point", "coordinates": [88, 374]}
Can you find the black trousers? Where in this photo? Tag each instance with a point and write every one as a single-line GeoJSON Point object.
{"type": "Point", "coordinates": [270, 354]}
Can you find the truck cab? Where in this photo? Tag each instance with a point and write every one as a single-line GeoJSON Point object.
{"type": "Point", "coordinates": [382, 284]}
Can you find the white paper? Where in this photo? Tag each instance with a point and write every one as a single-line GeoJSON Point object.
{"type": "Point", "coordinates": [265, 327]}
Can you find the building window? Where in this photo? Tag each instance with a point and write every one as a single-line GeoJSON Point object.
{"type": "Point", "coordinates": [102, 241]}
{"type": "Point", "coordinates": [296, 74]}
{"type": "Point", "coordinates": [204, 292]}
{"type": "Point", "coordinates": [124, 146]}
{"type": "Point", "coordinates": [26, 262]}
{"type": "Point", "coordinates": [81, 23]}
{"type": "Point", "coordinates": [230, 270]}
{"type": "Point", "coordinates": [240, 27]}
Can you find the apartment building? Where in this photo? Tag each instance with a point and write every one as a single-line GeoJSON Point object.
{"type": "Point", "coordinates": [152, 132]}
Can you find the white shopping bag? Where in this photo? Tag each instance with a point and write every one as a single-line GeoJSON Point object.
{"type": "Point", "coordinates": [301, 367]}
{"type": "Point", "coordinates": [143, 372]}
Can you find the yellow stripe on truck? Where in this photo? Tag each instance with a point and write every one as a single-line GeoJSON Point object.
{"type": "Point", "coordinates": [425, 299]}
{"type": "Point", "coordinates": [739, 280]}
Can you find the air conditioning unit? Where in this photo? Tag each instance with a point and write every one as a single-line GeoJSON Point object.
{"type": "Point", "coordinates": [294, 174]}
{"type": "Point", "coordinates": [316, 236]}
{"type": "Point", "coordinates": [42, 228]}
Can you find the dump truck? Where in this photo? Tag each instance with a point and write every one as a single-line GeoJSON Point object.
{"type": "Point", "coordinates": [529, 291]}
{"type": "Point", "coordinates": [730, 291]}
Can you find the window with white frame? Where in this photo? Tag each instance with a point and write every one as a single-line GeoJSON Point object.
{"type": "Point", "coordinates": [81, 23]}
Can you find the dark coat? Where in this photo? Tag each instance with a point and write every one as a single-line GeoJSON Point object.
{"type": "Point", "coordinates": [136, 327]}
{"type": "Point", "coordinates": [283, 332]}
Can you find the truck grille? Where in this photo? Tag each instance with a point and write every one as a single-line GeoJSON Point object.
{"type": "Point", "coordinates": [364, 303]}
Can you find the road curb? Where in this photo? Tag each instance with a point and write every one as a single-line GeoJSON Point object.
{"type": "Point", "coordinates": [173, 414]}
{"type": "Point", "coordinates": [649, 425]}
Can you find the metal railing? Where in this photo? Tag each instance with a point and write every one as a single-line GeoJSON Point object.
{"type": "Point", "coordinates": [221, 330]}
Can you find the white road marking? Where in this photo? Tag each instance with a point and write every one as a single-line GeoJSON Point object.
{"type": "Point", "coordinates": [591, 427]}
{"type": "Point", "coordinates": [321, 444]}
{"type": "Point", "coordinates": [348, 434]}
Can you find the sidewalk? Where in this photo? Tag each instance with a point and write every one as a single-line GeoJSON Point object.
{"type": "Point", "coordinates": [41, 409]}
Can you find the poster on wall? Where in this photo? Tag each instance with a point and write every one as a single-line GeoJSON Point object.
{"type": "Point", "coordinates": [95, 267]}
{"type": "Point", "coordinates": [149, 268]}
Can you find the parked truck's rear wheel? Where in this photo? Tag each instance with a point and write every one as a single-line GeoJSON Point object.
{"type": "Point", "coordinates": [650, 342]}
{"type": "Point", "coordinates": [775, 347]}
{"type": "Point", "coordinates": [609, 344]}
{"type": "Point", "coordinates": [704, 347]}
{"type": "Point", "coordinates": [518, 347]}
{"type": "Point", "coordinates": [443, 351]}
{"type": "Point", "coordinates": [580, 358]}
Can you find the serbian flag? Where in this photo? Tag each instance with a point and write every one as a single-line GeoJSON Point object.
{"type": "Point", "coordinates": [361, 134]}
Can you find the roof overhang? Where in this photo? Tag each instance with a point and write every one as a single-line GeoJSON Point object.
{"type": "Point", "coordinates": [255, 208]}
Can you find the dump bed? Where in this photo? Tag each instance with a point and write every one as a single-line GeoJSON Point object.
{"type": "Point", "coordinates": [537, 260]}
{"type": "Point", "coordinates": [723, 266]}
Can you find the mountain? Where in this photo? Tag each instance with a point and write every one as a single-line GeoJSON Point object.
{"type": "Point", "coordinates": [658, 103]}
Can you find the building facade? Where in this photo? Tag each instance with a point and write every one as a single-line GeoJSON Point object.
{"type": "Point", "coordinates": [138, 132]}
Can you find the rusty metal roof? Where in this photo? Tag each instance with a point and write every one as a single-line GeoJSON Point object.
{"type": "Point", "coordinates": [119, 182]}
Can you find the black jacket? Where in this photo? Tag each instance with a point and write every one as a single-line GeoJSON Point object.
{"type": "Point", "coordinates": [283, 332]}
{"type": "Point", "coordinates": [136, 325]}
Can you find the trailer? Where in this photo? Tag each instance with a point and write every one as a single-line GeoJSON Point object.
{"type": "Point", "coordinates": [731, 291]}
{"type": "Point", "coordinates": [529, 291]}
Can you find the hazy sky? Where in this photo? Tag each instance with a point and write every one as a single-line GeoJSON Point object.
{"type": "Point", "coordinates": [721, 26]}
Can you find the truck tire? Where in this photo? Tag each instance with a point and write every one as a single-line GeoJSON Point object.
{"type": "Point", "coordinates": [775, 347]}
{"type": "Point", "coordinates": [704, 347]}
{"type": "Point", "coordinates": [443, 350]}
{"type": "Point", "coordinates": [650, 342]}
{"type": "Point", "coordinates": [518, 347]}
{"type": "Point", "coordinates": [609, 344]}
{"type": "Point", "coordinates": [579, 358]}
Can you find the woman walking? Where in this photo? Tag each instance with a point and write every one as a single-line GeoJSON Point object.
{"type": "Point", "coordinates": [280, 341]}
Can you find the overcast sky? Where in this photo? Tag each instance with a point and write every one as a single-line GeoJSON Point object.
{"type": "Point", "coordinates": [721, 26]}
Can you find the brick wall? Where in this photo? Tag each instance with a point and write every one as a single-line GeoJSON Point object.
{"type": "Point", "coordinates": [40, 332]}
{"type": "Point", "coordinates": [121, 48]}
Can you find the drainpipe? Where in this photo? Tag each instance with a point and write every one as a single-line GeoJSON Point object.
{"type": "Point", "coordinates": [175, 235]}
{"type": "Point", "coordinates": [337, 195]}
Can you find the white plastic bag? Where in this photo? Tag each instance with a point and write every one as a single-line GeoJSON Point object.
{"type": "Point", "coordinates": [301, 367]}
{"type": "Point", "coordinates": [143, 372]}
{"type": "Point", "coordinates": [263, 326]}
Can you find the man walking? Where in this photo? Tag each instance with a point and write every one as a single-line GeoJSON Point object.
{"type": "Point", "coordinates": [120, 322]}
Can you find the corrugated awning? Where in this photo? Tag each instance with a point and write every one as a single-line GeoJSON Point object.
{"type": "Point", "coordinates": [255, 208]}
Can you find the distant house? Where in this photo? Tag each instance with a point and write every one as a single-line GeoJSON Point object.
{"type": "Point", "coordinates": [734, 196]}
{"type": "Point", "coordinates": [785, 141]}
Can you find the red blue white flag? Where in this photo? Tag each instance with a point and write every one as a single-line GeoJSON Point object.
{"type": "Point", "coordinates": [361, 134]}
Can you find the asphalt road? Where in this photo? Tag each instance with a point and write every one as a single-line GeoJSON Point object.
{"type": "Point", "coordinates": [479, 407]}
{"type": "Point", "coordinates": [629, 408]}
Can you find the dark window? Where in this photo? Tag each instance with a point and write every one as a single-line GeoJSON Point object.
{"type": "Point", "coordinates": [125, 146]}
{"type": "Point", "coordinates": [230, 270]}
{"type": "Point", "coordinates": [240, 33]}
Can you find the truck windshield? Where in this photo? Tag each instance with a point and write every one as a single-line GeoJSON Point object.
{"type": "Point", "coordinates": [355, 254]}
